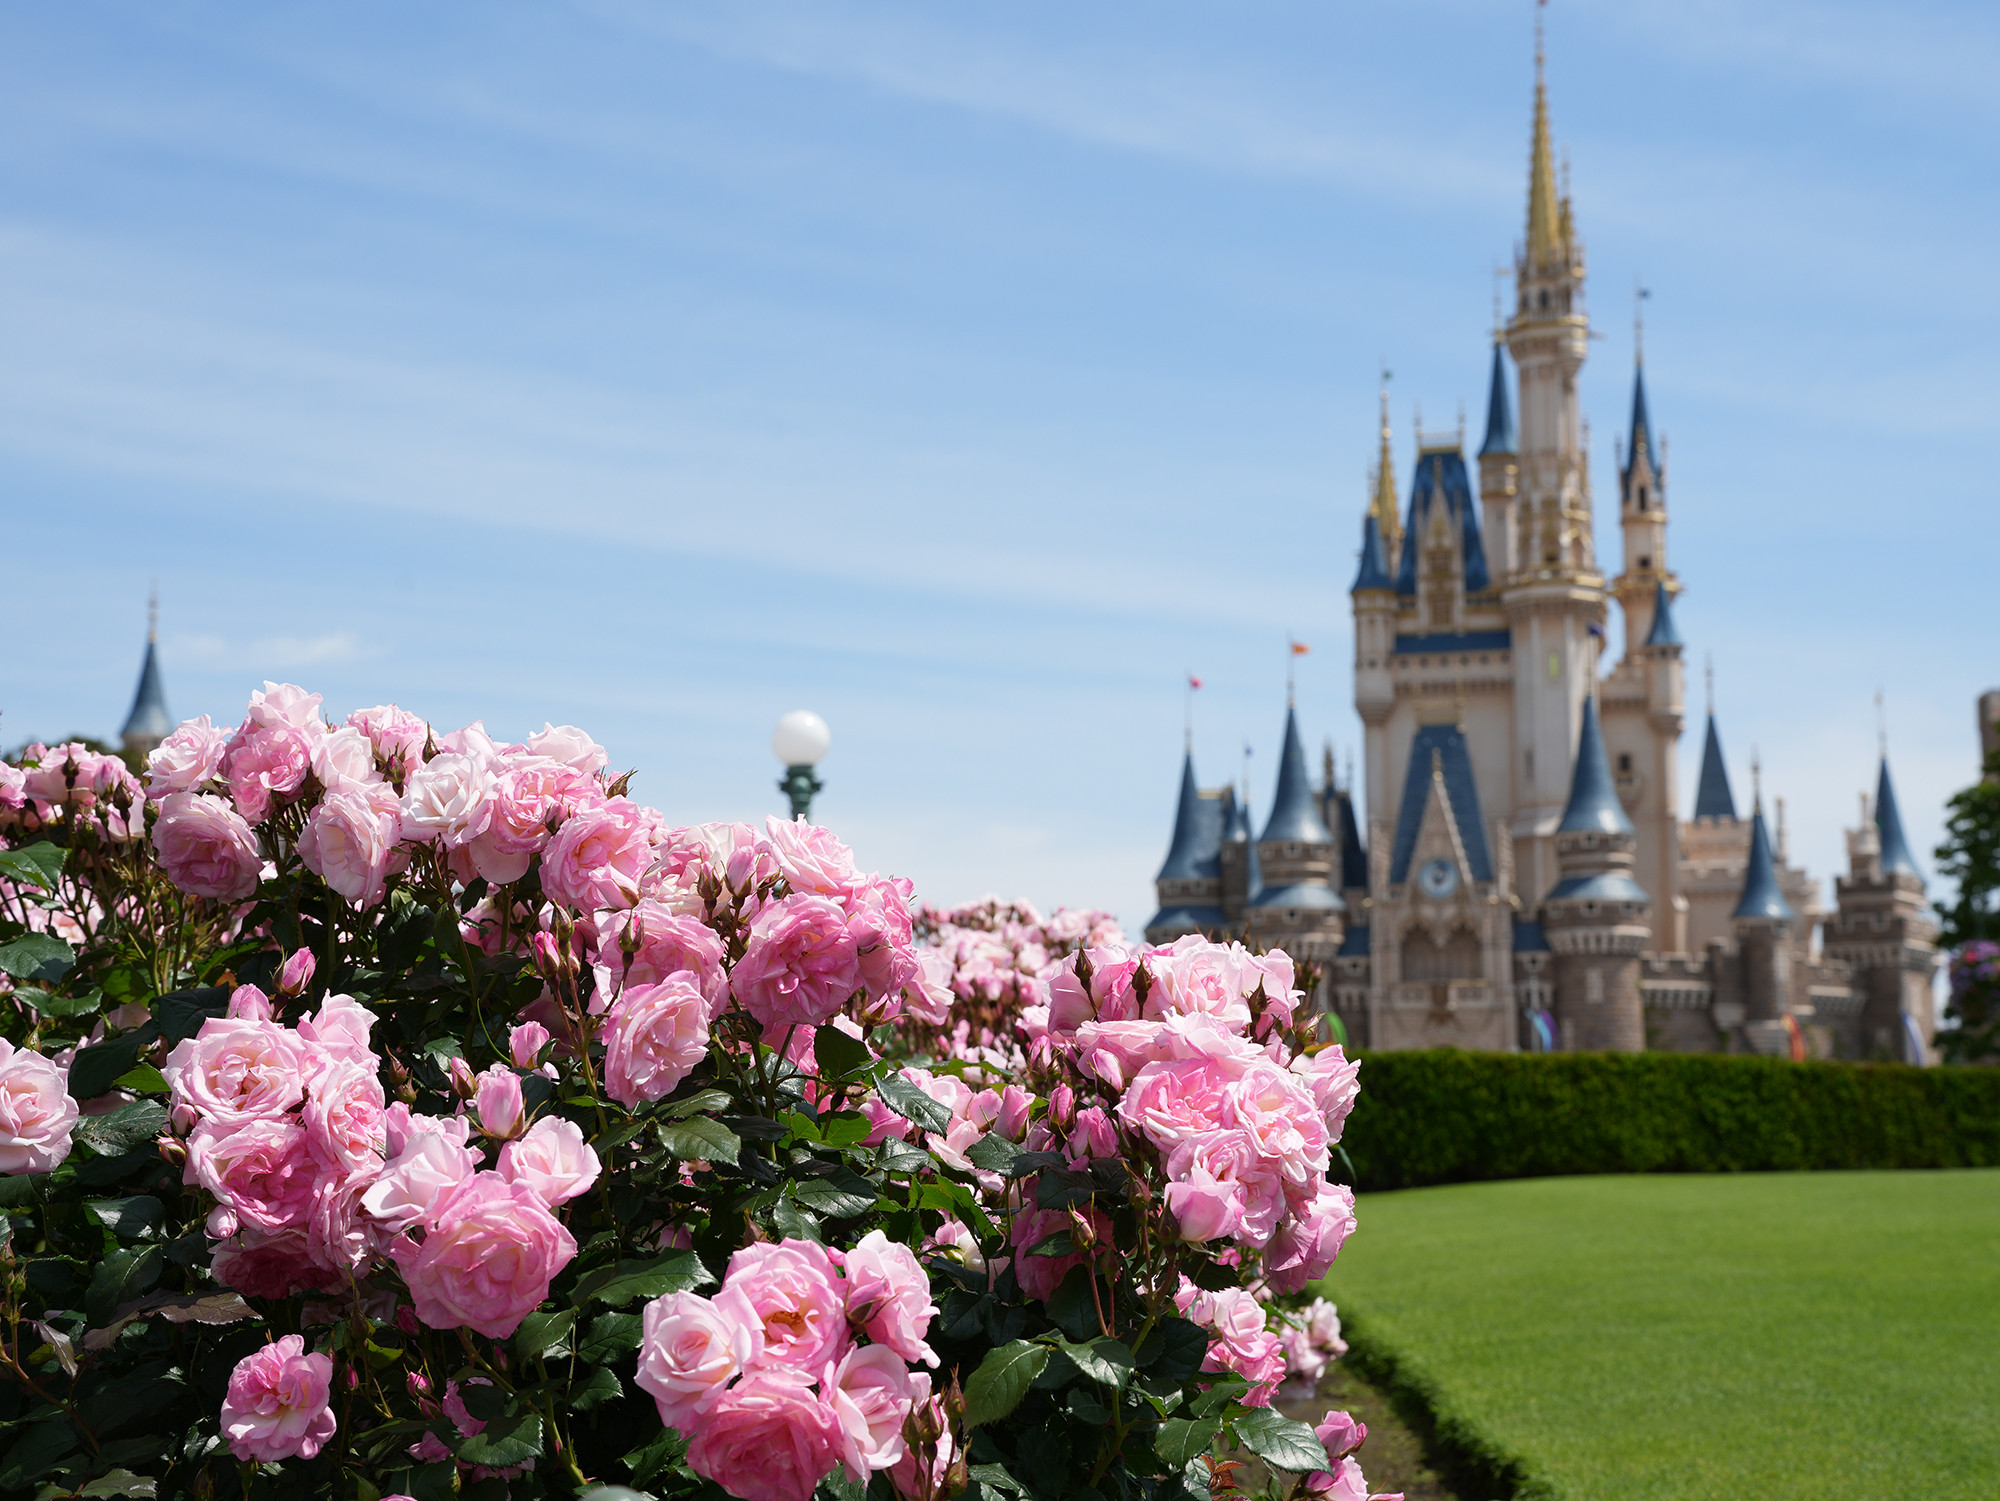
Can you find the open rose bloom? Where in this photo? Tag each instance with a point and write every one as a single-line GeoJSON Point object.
{"type": "Point", "coordinates": [414, 1111]}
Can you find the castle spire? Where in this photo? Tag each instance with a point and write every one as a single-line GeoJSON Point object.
{"type": "Point", "coordinates": [1295, 812]}
{"type": "Point", "coordinates": [1500, 438]}
{"type": "Point", "coordinates": [1762, 896]}
{"type": "Point", "coordinates": [1382, 504]}
{"type": "Point", "coordinates": [1593, 797]}
{"type": "Point", "coordinates": [1712, 797]}
{"type": "Point", "coordinates": [149, 722]}
{"type": "Point", "coordinates": [1547, 242]}
{"type": "Point", "coordinates": [1896, 854]}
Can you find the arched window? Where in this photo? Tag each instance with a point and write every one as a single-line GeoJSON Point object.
{"type": "Point", "coordinates": [1425, 962]}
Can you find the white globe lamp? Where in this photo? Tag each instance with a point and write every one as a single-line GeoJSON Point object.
{"type": "Point", "coordinates": [799, 741]}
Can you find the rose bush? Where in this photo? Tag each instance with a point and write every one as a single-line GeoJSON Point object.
{"type": "Point", "coordinates": [393, 1113]}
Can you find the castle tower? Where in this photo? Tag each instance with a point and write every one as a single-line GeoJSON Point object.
{"type": "Point", "coordinates": [1241, 880]}
{"type": "Point", "coordinates": [1374, 596]}
{"type": "Point", "coordinates": [1882, 927]}
{"type": "Point", "coordinates": [1642, 516]}
{"type": "Point", "coordinates": [149, 722]}
{"type": "Point", "coordinates": [1190, 880]}
{"type": "Point", "coordinates": [1297, 909]}
{"type": "Point", "coordinates": [1597, 917]}
{"type": "Point", "coordinates": [1555, 594]}
{"type": "Point", "coordinates": [1500, 473]}
{"type": "Point", "coordinates": [1763, 920]}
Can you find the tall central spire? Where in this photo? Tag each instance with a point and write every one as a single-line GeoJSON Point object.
{"type": "Point", "coordinates": [1382, 505]}
{"type": "Point", "coordinates": [1545, 216]}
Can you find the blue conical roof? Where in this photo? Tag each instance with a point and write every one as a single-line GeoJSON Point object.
{"type": "Point", "coordinates": [1295, 816]}
{"type": "Point", "coordinates": [1500, 436]}
{"type": "Point", "coordinates": [149, 718]}
{"type": "Point", "coordinates": [1374, 570]}
{"type": "Point", "coordinates": [1236, 818]}
{"type": "Point", "coordinates": [1712, 797]}
{"type": "Point", "coordinates": [1663, 632]}
{"type": "Point", "coordinates": [1353, 855]}
{"type": "Point", "coordinates": [1642, 426]}
{"type": "Point", "coordinates": [1762, 896]}
{"type": "Point", "coordinates": [1889, 824]}
{"type": "Point", "coordinates": [1593, 797]}
{"type": "Point", "coordinates": [1196, 853]}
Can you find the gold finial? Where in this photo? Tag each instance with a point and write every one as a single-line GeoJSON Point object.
{"type": "Point", "coordinates": [1545, 230]}
{"type": "Point", "coordinates": [1383, 503]}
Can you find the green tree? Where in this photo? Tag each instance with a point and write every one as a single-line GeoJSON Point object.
{"type": "Point", "coordinates": [1970, 859]}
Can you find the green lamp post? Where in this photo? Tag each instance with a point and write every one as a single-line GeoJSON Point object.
{"type": "Point", "coordinates": [800, 739]}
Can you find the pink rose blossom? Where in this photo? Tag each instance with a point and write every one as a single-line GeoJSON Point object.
{"type": "Point", "coordinates": [928, 997]}
{"type": "Point", "coordinates": [659, 942]}
{"type": "Point", "coordinates": [248, 1003]}
{"type": "Point", "coordinates": [597, 857]}
{"type": "Point", "coordinates": [1305, 1245]}
{"type": "Point", "coordinates": [889, 1297]}
{"type": "Point", "coordinates": [344, 760]}
{"type": "Point", "coordinates": [297, 972]}
{"type": "Point", "coordinates": [449, 799]}
{"type": "Point", "coordinates": [261, 1169]}
{"type": "Point", "coordinates": [36, 1112]}
{"type": "Point", "coordinates": [871, 1391]}
{"type": "Point", "coordinates": [397, 735]}
{"type": "Point", "coordinates": [553, 1160]}
{"type": "Point", "coordinates": [796, 1292]}
{"type": "Point", "coordinates": [1341, 1433]}
{"type": "Point", "coordinates": [770, 1437]}
{"type": "Point", "coordinates": [487, 1260]}
{"type": "Point", "coordinates": [340, 1029]}
{"type": "Point", "coordinates": [653, 1036]}
{"type": "Point", "coordinates": [282, 704]}
{"type": "Point", "coordinates": [811, 858]}
{"type": "Point", "coordinates": [569, 745]}
{"type": "Point", "coordinates": [1335, 1083]}
{"type": "Point", "coordinates": [277, 1405]}
{"type": "Point", "coordinates": [692, 1347]}
{"type": "Point", "coordinates": [265, 762]}
{"type": "Point", "coordinates": [525, 1043]}
{"type": "Point", "coordinates": [800, 966]}
{"type": "Point", "coordinates": [205, 848]}
{"type": "Point", "coordinates": [339, 1235]}
{"type": "Point", "coordinates": [1240, 1339]}
{"type": "Point", "coordinates": [187, 759]}
{"type": "Point", "coordinates": [258, 1265]}
{"type": "Point", "coordinates": [235, 1071]}
{"type": "Point", "coordinates": [419, 1180]}
{"type": "Point", "coordinates": [530, 795]}
{"type": "Point", "coordinates": [343, 1119]}
{"type": "Point", "coordinates": [350, 842]}
{"type": "Point", "coordinates": [499, 1102]}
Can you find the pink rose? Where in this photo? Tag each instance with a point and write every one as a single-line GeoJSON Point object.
{"type": "Point", "coordinates": [282, 704]}
{"type": "Point", "coordinates": [343, 1119]}
{"type": "Point", "coordinates": [261, 1169]}
{"type": "Point", "coordinates": [692, 1347]}
{"type": "Point", "coordinates": [889, 1297]}
{"type": "Point", "coordinates": [248, 1003]}
{"type": "Point", "coordinates": [1040, 1276]}
{"type": "Point", "coordinates": [1335, 1083]}
{"type": "Point", "coordinates": [598, 856]}
{"type": "Point", "coordinates": [448, 798]}
{"type": "Point", "coordinates": [1305, 1244]}
{"type": "Point", "coordinates": [553, 1160]}
{"type": "Point", "coordinates": [277, 1405]}
{"type": "Point", "coordinates": [499, 1102]}
{"type": "Point", "coordinates": [768, 1438]}
{"type": "Point", "coordinates": [487, 1260]}
{"type": "Point", "coordinates": [800, 966]}
{"type": "Point", "coordinates": [885, 955]}
{"type": "Point", "coordinates": [350, 841]}
{"type": "Point", "coordinates": [233, 1071]}
{"type": "Point", "coordinates": [795, 1290]}
{"type": "Point", "coordinates": [1341, 1433]}
{"type": "Point", "coordinates": [36, 1112]}
{"type": "Point", "coordinates": [397, 735]}
{"type": "Point", "coordinates": [340, 1029]}
{"type": "Point", "coordinates": [262, 763]}
{"type": "Point", "coordinates": [569, 745]}
{"type": "Point", "coordinates": [339, 1235]}
{"type": "Point", "coordinates": [418, 1182]}
{"type": "Point", "coordinates": [811, 858]}
{"type": "Point", "coordinates": [205, 848]}
{"type": "Point", "coordinates": [871, 1392]}
{"type": "Point", "coordinates": [258, 1265]}
{"type": "Point", "coordinates": [1241, 1341]}
{"type": "Point", "coordinates": [652, 1036]}
{"type": "Point", "coordinates": [529, 795]}
{"type": "Point", "coordinates": [650, 942]}
{"type": "Point", "coordinates": [297, 972]}
{"type": "Point", "coordinates": [344, 760]}
{"type": "Point", "coordinates": [929, 996]}
{"type": "Point", "coordinates": [187, 759]}
{"type": "Point", "coordinates": [525, 1043]}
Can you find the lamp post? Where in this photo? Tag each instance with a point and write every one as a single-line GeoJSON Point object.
{"type": "Point", "coordinates": [800, 739]}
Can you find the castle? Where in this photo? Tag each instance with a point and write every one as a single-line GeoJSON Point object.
{"type": "Point", "coordinates": [1527, 880]}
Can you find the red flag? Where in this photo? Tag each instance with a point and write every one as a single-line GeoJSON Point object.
{"type": "Point", "coordinates": [1193, 681]}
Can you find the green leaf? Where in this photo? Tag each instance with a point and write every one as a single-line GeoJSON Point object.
{"type": "Point", "coordinates": [838, 1055]}
{"type": "Point", "coordinates": [1280, 1442]}
{"type": "Point", "coordinates": [793, 1221]}
{"type": "Point", "coordinates": [994, 1153]}
{"type": "Point", "coordinates": [912, 1104]}
{"type": "Point", "coordinates": [676, 1272]}
{"type": "Point", "coordinates": [602, 1385]}
{"type": "Point", "coordinates": [702, 1102]}
{"type": "Point", "coordinates": [35, 1452]}
{"type": "Point", "coordinates": [845, 1128]}
{"type": "Point", "coordinates": [1105, 1360]}
{"type": "Point", "coordinates": [1063, 1188]}
{"type": "Point", "coordinates": [122, 1482]}
{"type": "Point", "coordinates": [839, 1195]}
{"type": "Point", "coordinates": [37, 956]}
{"type": "Point", "coordinates": [144, 1079]}
{"type": "Point", "coordinates": [668, 1449]}
{"type": "Point", "coordinates": [699, 1139]}
{"type": "Point", "coordinates": [61, 1007]}
{"type": "Point", "coordinates": [119, 1278]}
{"type": "Point", "coordinates": [131, 1218]}
{"type": "Point", "coordinates": [1002, 1379]}
{"type": "Point", "coordinates": [180, 1013]}
{"type": "Point", "coordinates": [122, 1129]}
{"type": "Point", "coordinates": [17, 1188]}
{"type": "Point", "coordinates": [609, 1336]}
{"type": "Point", "coordinates": [545, 1333]}
{"type": "Point", "coordinates": [997, 1477]}
{"type": "Point", "coordinates": [1071, 1307]}
{"type": "Point", "coordinates": [902, 1159]}
{"type": "Point", "coordinates": [95, 1070]}
{"type": "Point", "coordinates": [1181, 1440]}
{"type": "Point", "coordinates": [506, 1441]}
{"type": "Point", "coordinates": [37, 865]}
{"type": "Point", "coordinates": [1174, 1350]}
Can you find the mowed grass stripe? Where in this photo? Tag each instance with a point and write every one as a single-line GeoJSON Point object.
{"type": "Point", "coordinates": [1780, 1334]}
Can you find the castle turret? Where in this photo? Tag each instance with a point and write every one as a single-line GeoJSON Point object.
{"type": "Point", "coordinates": [1500, 472]}
{"type": "Point", "coordinates": [1374, 596]}
{"type": "Point", "coordinates": [1240, 877]}
{"type": "Point", "coordinates": [1642, 515]}
{"type": "Point", "coordinates": [1190, 880]}
{"type": "Point", "coordinates": [1712, 797]}
{"type": "Point", "coordinates": [1882, 928]}
{"type": "Point", "coordinates": [149, 722]}
{"type": "Point", "coordinates": [1298, 909]}
{"type": "Point", "coordinates": [1597, 916]}
{"type": "Point", "coordinates": [1762, 920]}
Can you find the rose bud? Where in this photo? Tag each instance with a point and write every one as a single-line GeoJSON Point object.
{"type": "Point", "coordinates": [1062, 1107]}
{"type": "Point", "coordinates": [221, 1222]}
{"type": "Point", "coordinates": [173, 1151]}
{"type": "Point", "coordinates": [547, 956]}
{"type": "Point", "coordinates": [499, 1101]}
{"type": "Point", "coordinates": [297, 973]}
{"type": "Point", "coordinates": [464, 1083]}
{"type": "Point", "coordinates": [525, 1043]}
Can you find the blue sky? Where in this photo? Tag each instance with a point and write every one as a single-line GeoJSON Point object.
{"type": "Point", "coordinates": [966, 373]}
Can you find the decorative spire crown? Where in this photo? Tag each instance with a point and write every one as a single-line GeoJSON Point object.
{"type": "Point", "coordinates": [1382, 503]}
{"type": "Point", "coordinates": [1548, 226]}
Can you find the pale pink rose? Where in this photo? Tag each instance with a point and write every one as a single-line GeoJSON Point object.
{"type": "Point", "coordinates": [659, 942]}
{"type": "Point", "coordinates": [277, 1405]}
{"type": "Point", "coordinates": [404, 1126]}
{"type": "Point", "coordinates": [531, 794]}
{"type": "Point", "coordinates": [235, 1071]}
{"type": "Point", "coordinates": [929, 996]}
{"type": "Point", "coordinates": [1342, 1433]}
{"type": "Point", "coordinates": [261, 1169]}
{"type": "Point", "coordinates": [13, 788]}
{"type": "Point", "coordinates": [344, 760]}
{"type": "Point", "coordinates": [569, 745]}
{"type": "Point", "coordinates": [1093, 1135]}
{"type": "Point", "coordinates": [800, 966]}
{"type": "Point", "coordinates": [248, 1003]}
{"type": "Point", "coordinates": [1174, 1100]}
{"type": "Point", "coordinates": [958, 1243]}
{"type": "Point", "coordinates": [1198, 977]}
{"type": "Point", "coordinates": [339, 1234]}
{"type": "Point", "coordinates": [345, 1131]}
{"type": "Point", "coordinates": [1335, 1083]}
{"type": "Point", "coordinates": [1344, 1482]}
{"type": "Point", "coordinates": [36, 1112]}
{"type": "Point", "coordinates": [889, 1297]}
{"type": "Point", "coordinates": [553, 1159]}
{"type": "Point", "coordinates": [1012, 1121]}
{"type": "Point", "coordinates": [499, 1102]}
{"type": "Point", "coordinates": [729, 852]}
{"type": "Point", "coordinates": [265, 762]}
{"type": "Point", "coordinates": [692, 1347]}
{"type": "Point", "coordinates": [448, 798]}
{"type": "Point", "coordinates": [419, 1179]}
{"type": "Point", "coordinates": [1305, 1244]}
{"type": "Point", "coordinates": [1275, 1111]}
{"type": "Point", "coordinates": [796, 1291]}
{"type": "Point", "coordinates": [1241, 1340]}
{"type": "Point", "coordinates": [258, 1265]}
{"type": "Point", "coordinates": [340, 1029]}
{"type": "Point", "coordinates": [205, 848]}
{"type": "Point", "coordinates": [297, 972]}
{"type": "Point", "coordinates": [350, 841]}
{"type": "Point", "coordinates": [281, 704]}
{"type": "Point", "coordinates": [871, 1391]}
{"type": "Point", "coordinates": [525, 1043]}
{"type": "Point", "coordinates": [653, 1035]}
{"type": "Point", "coordinates": [770, 1437]}
{"type": "Point", "coordinates": [598, 856]}
{"type": "Point", "coordinates": [397, 735]}
{"type": "Point", "coordinates": [1226, 1161]}
{"type": "Point", "coordinates": [811, 858]}
{"type": "Point", "coordinates": [488, 1258]}
{"type": "Point", "coordinates": [189, 758]}
{"type": "Point", "coordinates": [1204, 1207]}
{"type": "Point", "coordinates": [885, 955]}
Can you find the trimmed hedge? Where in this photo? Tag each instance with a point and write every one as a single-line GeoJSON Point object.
{"type": "Point", "coordinates": [1446, 1116]}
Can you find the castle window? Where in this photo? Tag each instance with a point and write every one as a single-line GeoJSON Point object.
{"type": "Point", "coordinates": [1624, 762]}
{"type": "Point", "coordinates": [1645, 562]}
{"type": "Point", "coordinates": [1545, 301]}
{"type": "Point", "coordinates": [1425, 962]}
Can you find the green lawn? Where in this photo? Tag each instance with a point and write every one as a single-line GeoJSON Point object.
{"type": "Point", "coordinates": [1771, 1334]}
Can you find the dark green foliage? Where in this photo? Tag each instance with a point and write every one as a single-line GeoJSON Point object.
{"type": "Point", "coordinates": [1447, 1117]}
{"type": "Point", "coordinates": [1969, 859]}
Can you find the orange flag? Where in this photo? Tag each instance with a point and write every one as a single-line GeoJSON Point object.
{"type": "Point", "coordinates": [1299, 648]}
